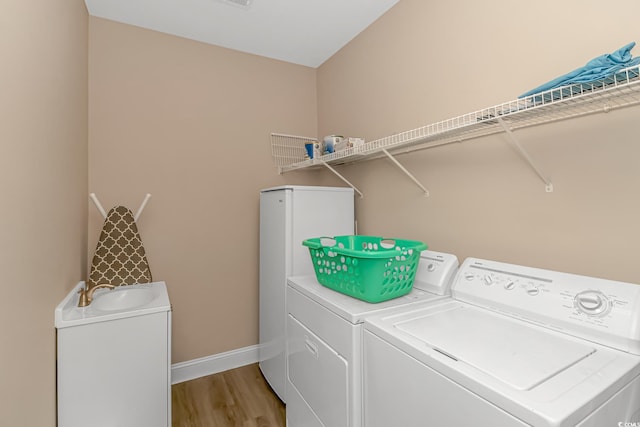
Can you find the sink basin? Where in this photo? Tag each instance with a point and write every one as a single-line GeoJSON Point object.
{"type": "Point", "coordinates": [122, 298]}
{"type": "Point", "coordinates": [108, 305]}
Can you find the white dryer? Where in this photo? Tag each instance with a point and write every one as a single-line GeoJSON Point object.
{"type": "Point", "coordinates": [324, 342]}
{"type": "Point", "coordinates": [514, 346]}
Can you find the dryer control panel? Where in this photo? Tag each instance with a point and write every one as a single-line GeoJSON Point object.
{"type": "Point", "coordinates": [600, 310]}
{"type": "Point", "coordinates": [435, 272]}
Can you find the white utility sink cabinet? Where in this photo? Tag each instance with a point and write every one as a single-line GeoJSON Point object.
{"type": "Point", "coordinates": [114, 365]}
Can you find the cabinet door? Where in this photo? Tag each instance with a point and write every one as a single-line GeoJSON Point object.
{"type": "Point", "coordinates": [318, 374]}
{"type": "Point", "coordinates": [115, 373]}
{"type": "Point", "coordinates": [275, 207]}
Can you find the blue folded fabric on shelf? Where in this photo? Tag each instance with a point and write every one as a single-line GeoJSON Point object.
{"type": "Point", "coordinates": [597, 69]}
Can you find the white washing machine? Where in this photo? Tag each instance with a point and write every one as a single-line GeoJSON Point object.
{"type": "Point", "coordinates": [324, 342]}
{"type": "Point", "coordinates": [514, 346]}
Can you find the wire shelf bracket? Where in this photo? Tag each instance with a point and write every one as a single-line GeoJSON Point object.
{"type": "Point", "coordinates": [516, 143]}
{"type": "Point", "coordinates": [406, 172]}
{"type": "Point", "coordinates": [343, 178]}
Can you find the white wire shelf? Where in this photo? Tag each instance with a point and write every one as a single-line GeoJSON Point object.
{"type": "Point", "coordinates": [614, 92]}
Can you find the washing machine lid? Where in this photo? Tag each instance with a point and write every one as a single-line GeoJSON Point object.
{"type": "Point", "coordinates": [507, 349]}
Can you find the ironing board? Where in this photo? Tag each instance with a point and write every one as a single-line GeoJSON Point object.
{"type": "Point", "coordinates": [120, 258]}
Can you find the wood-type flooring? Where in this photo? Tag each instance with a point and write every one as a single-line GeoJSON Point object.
{"type": "Point", "coordinates": [236, 398]}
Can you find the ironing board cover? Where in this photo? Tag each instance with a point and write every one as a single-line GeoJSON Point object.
{"type": "Point", "coordinates": [120, 257]}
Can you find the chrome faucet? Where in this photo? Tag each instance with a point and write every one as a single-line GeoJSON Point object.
{"type": "Point", "coordinates": [86, 294]}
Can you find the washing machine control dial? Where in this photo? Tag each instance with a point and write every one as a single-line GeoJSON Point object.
{"type": "Point", "coordinates": [532, 289]}
{"type": "Point", "coordinates": [592, 303]}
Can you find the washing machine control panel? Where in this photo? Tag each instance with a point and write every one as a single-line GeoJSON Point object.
{"type": "Point", "coordinates": [592, 303]}
{"type": "Point", "coordinates": [596, 309]}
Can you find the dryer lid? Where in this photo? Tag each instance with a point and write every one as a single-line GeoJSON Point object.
{"type": "Point", "coordinates": [516, 353]}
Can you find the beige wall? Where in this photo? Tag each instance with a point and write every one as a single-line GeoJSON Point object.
{"type": "Point", "coordinates": [189, 123]}
{"type": "Point", "coordinates": [427, 61]}
{"type": "Point", "coordinates": [43, 180]}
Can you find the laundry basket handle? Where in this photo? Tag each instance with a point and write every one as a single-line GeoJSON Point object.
{"type": "Point", "coordinates": [387, 243]}
{"type": "Point", "coordinates": [320, 242]}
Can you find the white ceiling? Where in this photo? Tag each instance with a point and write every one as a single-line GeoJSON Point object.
{"type": "Point", "coordinates": [306, 32]}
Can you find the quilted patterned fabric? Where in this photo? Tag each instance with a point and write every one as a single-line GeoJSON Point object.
{"type": "Point", "coordinates": [120, 258]}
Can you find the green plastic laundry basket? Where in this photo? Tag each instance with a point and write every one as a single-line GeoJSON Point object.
{"type": "Point", "coordinates": [370, 268]}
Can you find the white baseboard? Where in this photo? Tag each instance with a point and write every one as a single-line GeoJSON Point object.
{"type": "Point", "coordinates": [209, 365]}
